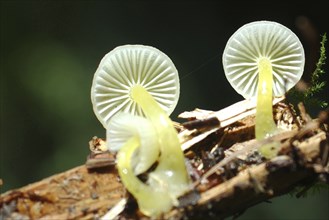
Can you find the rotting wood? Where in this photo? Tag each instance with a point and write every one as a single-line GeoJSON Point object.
{"type": "Point", "coordinates": [262, 182]}
{"type": "Point", "coordinates": [224, 185]}
{"type": "Point", "coordinates": [74, 194]}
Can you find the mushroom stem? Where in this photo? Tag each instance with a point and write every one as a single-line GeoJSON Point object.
{"type": "Point", "coordinates": [144, 194]}
{"type": "Point", "coordinates": [265, 125]}
{"type": "Point", "coordinates": [170, 179]}
{"type": "Point", "coordinates": [171, 170]}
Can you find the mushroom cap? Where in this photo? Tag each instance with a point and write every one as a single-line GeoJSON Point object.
{"type": "Point", "coordinates": [129, 65]}
{"type": "Point", "coordinates": [260, 39]}
{"type": "Point", "coordinates": [124, 126]}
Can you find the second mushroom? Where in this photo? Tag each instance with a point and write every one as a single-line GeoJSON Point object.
{"type": "Point", "coordinates": [263, 59]}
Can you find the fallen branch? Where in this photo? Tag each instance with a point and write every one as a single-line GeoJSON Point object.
{"type": "Point", "coordinates": [227, 172]}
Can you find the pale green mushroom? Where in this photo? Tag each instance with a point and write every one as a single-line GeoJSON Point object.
{"type": "Point", "coordinates": [142, 81]}
{"type": "Point", "coordinates": [263, 59]}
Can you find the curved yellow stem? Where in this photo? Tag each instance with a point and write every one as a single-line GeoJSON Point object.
{"type": "Point", "coordinates": [170, 179]}
{"type": "Point", "coordinates": [171, 171]}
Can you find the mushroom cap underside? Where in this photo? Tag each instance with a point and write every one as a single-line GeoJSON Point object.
{"type": "Point", "coordinates": [129, 65]}
{"type": "Point", "coordinates": [257, 40]}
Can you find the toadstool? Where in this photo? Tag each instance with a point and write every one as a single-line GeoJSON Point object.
{"type": "Point", "coordinates": [142, 81]}
{"type": "Point", "coordinates": [263, 59]}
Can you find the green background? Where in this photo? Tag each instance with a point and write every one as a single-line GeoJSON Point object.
{"type": "Point", "coordinates": [51, 49]}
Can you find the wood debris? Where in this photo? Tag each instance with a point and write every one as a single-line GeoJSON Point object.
{"type": "Point", "coordinates": [228, 173]}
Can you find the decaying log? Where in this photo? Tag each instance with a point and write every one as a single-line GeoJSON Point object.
{"type": "Point", "coordinates": [75, 194]}
{"type": "Point", "coordinates": [261, 182]}
{"type": "Point", "coordinates": [228, 173]}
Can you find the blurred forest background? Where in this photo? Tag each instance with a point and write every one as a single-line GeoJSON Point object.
{"type": "Point", "coordinates": [51, 49]}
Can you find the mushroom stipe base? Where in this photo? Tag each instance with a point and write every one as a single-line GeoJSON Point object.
{"type": "Point", "coordinates": [144, 194]}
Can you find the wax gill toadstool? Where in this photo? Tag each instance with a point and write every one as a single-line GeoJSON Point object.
{"type": "Point", "coordinates": [263, 59]}
{"type": "Point", "coordinates": [134, 89]}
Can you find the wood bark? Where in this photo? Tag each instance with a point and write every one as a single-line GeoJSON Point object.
{"type": "Point", "coordinates": [227, 172]}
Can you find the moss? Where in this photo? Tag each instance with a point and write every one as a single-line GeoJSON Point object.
{"type": "Point", "coordinates": [310, 97]}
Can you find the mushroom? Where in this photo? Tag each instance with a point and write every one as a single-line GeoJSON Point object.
{"type": "Point", "coordinates": [134, 89]}
{"type": "Point", "coordinates": [263, 59]}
